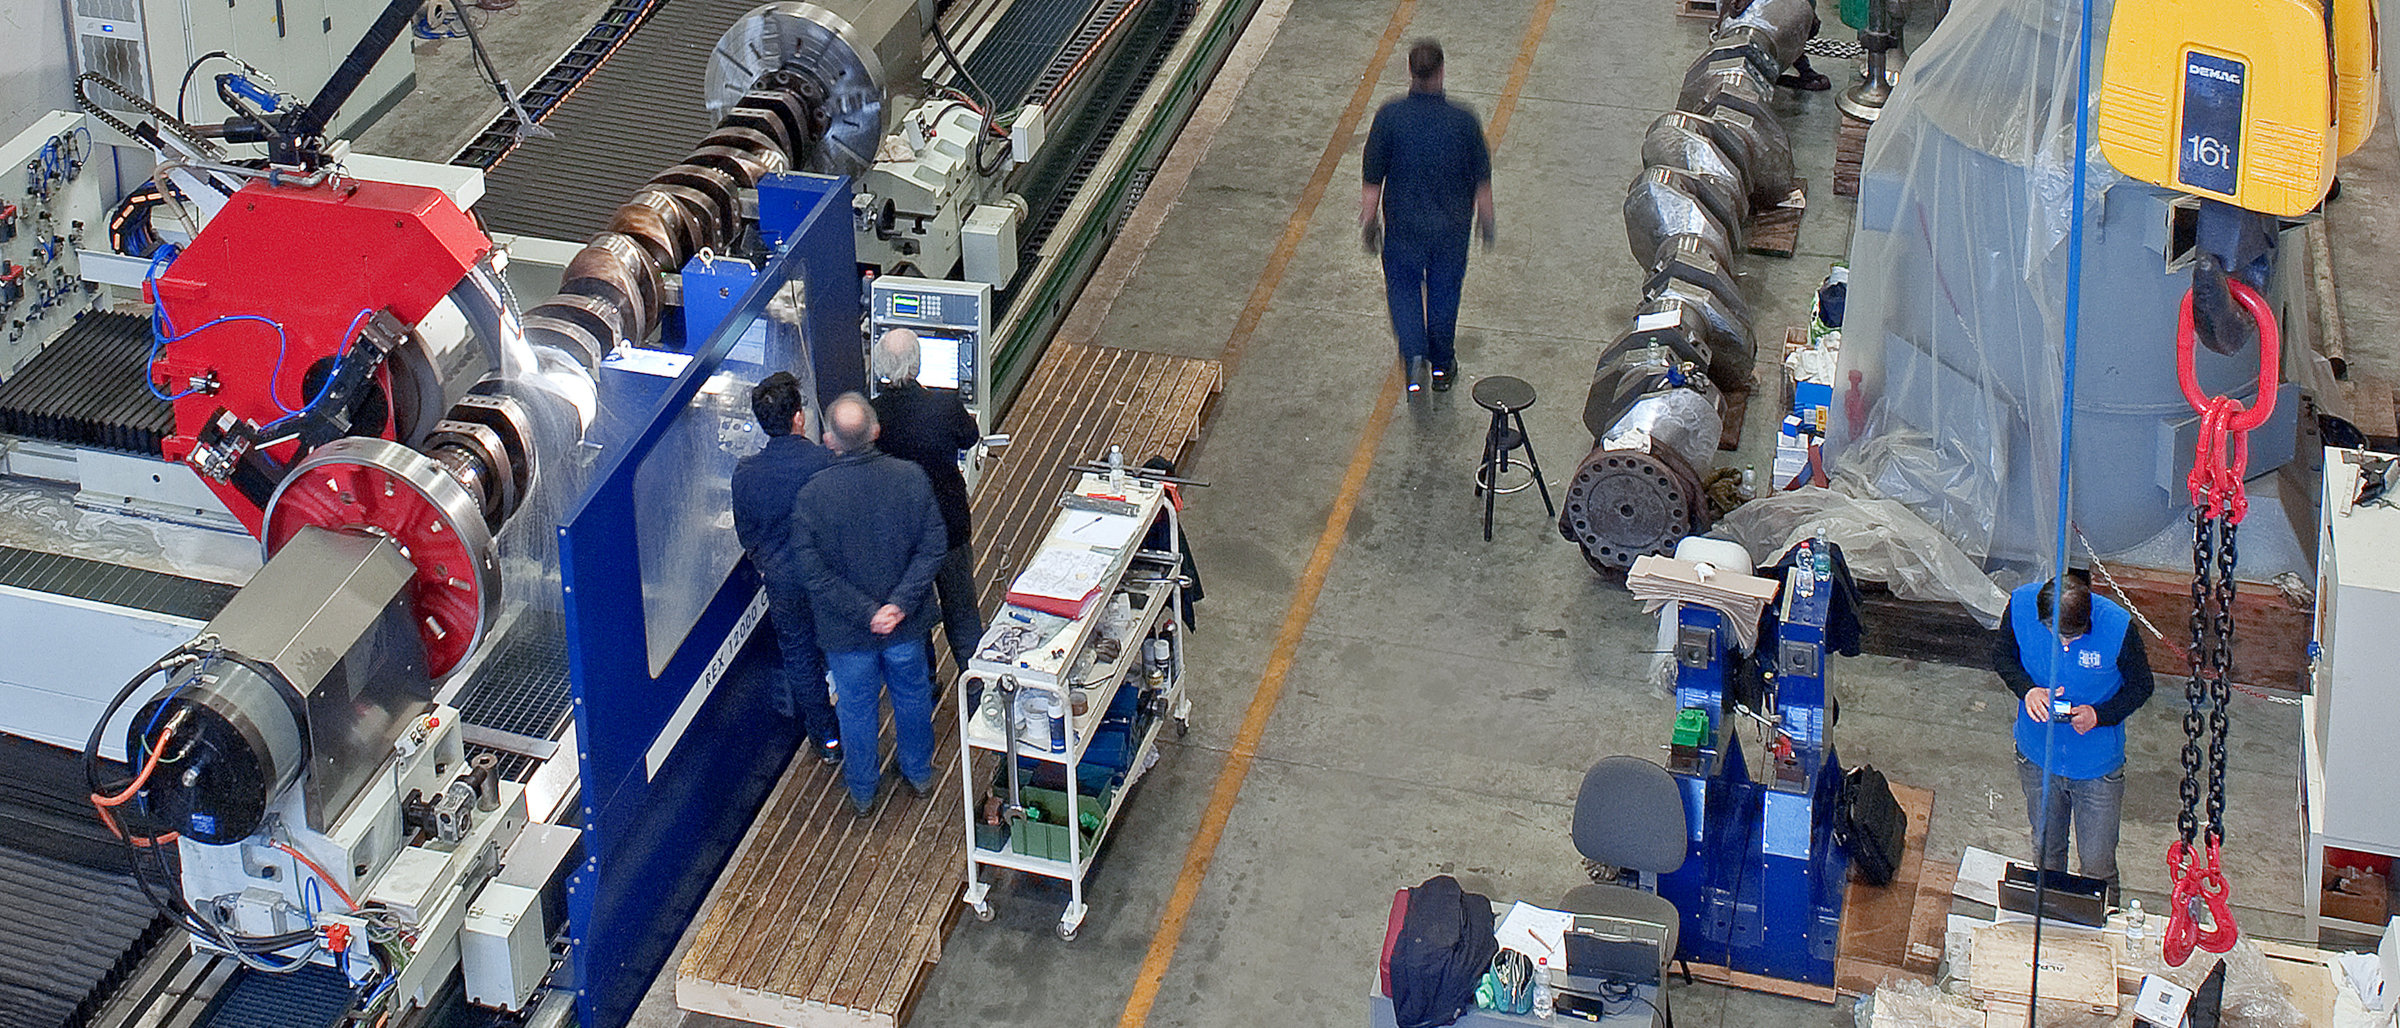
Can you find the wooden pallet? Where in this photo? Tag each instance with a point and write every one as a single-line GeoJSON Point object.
{"type": "Point", "coordinates": [829, 919]}
{"type": "Point", "coordinates": [1849, 152]}
{"type": "Point", "coordinates": [1887, 931]}
{"type": "Point", "coordinates": [1895, 931]}
{"type": "Point", "coordinates": [1704, 10]}
{"type": "Point", "coordinates": [1775, 231]}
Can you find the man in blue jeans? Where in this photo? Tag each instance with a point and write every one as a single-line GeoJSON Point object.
{"type": "Point", "coordinates": [2086, 674]}
{"type": "Point", "coordinates": [868, 540]}
{"type": "Point", "coordinates": [765, 484]}
{"type": "Point", "coordinates": [1428, 181]}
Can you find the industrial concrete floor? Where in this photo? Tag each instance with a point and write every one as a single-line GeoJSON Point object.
{"type": "Point", "coordinates": [1401, 698]}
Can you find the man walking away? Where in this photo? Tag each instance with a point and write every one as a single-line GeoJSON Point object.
{"type": "Point", "coordinates": [2091, 682]}
{"type": "Point", "coordinates": [868, 540]}
{"type": "Point", "coordinates": [1428, 179]}
{"type": "Point", "coordinates": [927, 427]}
{"type": "Point", "coordinates": [765, 484]}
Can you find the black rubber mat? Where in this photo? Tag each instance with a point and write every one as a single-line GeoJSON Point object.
{"type": "Point", "coordinates": [114, 584]}
{"type": "Point", "coordinates": [68, 936]}
{"type": "Point", "coordinates": [638, 113]}
{"type": "Point", "coordinates": [1021, 46]}
{"type": "Point", "coordinates": [614, 27]}
{"type": "Point", "coordinates": [315, 996]}
{"type": "Point", "coordinates": [86, 389]}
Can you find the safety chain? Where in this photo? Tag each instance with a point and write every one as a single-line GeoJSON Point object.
{"type": "Point", "coordinates": [2221, 661]}
{"type": "Point", "coordinates": [2195, 687]}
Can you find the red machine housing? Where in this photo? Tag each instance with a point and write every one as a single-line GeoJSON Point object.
{"type": "Point", "coordinates": [308, 259]}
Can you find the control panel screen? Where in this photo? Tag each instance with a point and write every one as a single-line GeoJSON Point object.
{"type": "Point", "coordinates": [912, 305]}
{"type": "Point", "coordinates": [940, 370]}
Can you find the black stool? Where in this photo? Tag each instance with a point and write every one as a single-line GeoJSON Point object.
{"type": "Point", "coordinates": [1506, 396]}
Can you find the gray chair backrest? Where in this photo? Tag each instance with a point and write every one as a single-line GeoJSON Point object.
{"type": "Point", "coordinates": [1630, 814]}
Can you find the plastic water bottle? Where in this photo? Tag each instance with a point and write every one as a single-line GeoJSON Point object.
{"type": "Point", "coordinates": [2136, 922]}
{"type": "Point", "coordinates": [1543, 1007]}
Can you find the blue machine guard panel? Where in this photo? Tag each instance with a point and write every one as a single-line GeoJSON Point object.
{"type": "Point", "coordinates": [677, 754]}
{"type": "Point", "coordinates": [1787, 824]}
{"type": "Point", "coordinates": [2210, 155]}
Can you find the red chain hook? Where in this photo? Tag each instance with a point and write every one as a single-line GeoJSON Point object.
{"type": "Point", "coordinates": [2223, 452]}
{"type": "Point", "coordinates": [2205, 882]}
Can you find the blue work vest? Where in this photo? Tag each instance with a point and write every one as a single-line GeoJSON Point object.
{"type": "Point", "coordinates": [2087, 671]}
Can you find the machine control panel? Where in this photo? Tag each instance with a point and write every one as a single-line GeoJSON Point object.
{"type": "Point", "coordinates": [953, 321]}
{"type": "Point", "coordinates": [50, 199]}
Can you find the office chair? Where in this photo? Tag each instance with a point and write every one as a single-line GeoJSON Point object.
{"type": "Point", "coordinates": [1629, 814]}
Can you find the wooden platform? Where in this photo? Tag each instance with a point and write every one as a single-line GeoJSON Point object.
{"type": "Point", "coordinates": [1888, 932]}
{"type": "Point", "coordinates": [828, 919]}
{"type": "Point", "coordinates": [1775, 231]}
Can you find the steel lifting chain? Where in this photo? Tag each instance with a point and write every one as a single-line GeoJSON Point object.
{"type": "Point", "coordinates": [2194, 860]}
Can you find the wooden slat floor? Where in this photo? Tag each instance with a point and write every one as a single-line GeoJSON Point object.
{"type": "Point", "coordinates": [830, 919]}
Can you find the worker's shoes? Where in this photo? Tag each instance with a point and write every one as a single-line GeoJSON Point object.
{"type": "Point", "coordinates": [1443, 374]}
{"type": "Point", "coordinates": [1416, 375]}
{"type": "Point", "coordinates": [830, 751]}
{"type": "Point", "coordinates": [922, 789]}
{"type": "Point", "coordinates": [862, 808]}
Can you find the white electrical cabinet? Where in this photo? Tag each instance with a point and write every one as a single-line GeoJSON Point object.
{"type": "Point", "coordinates": [147, 45]}
{"type": "Point", "coordinates": [1074, 703]}
{"type": "Point", "coordinates": [2352, 814]}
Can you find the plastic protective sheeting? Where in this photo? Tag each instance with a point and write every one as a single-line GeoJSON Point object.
{"type": "Point", "coordinates": [1784, 25]}
{"type": "Point", "coordinates": [1882, 540]}
{"type": "Point", "coordinates": [1958, 302]}
{"type": "Point", "coordinates": [1681, 420]}
{"type": "Point", "coordinates": [1681, 139]}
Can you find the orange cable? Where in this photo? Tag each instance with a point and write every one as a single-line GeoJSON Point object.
{"type": "Point", "coordinates": [102, 804]}
{"type": "Point", "coordinates": [321, 875]}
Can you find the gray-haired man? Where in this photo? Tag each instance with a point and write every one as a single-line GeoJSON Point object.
{"type": "Point", "coordinates": [927, 427]}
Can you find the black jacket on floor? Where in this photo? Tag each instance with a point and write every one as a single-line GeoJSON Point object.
{"type": "Point", "coordinates": [865, 533]}
{"type": "Point", "coordinates": [927, 427]}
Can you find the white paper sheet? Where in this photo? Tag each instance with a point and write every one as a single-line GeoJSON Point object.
{"type": "Point", "coordinates": [1536, 932]}
{"type": "Point", "coordinates": [1062, 573]}
{"type": "Point", "coordinates": [1100, 530]}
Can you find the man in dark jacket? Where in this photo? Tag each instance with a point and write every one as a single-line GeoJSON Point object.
{"type": "Point", "coordinates": [1428, 178]}
{"type": "Point", "coordinates": [868, 540]}
{"type": "Point", "coordinates": [2088, 674]}
{"type": "Point", "coordinates": [927, 427]}
{"type": "Point", "coordinates": [764, 486]}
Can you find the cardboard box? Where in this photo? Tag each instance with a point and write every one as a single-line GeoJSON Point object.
{"type": "Point", "coordinates": [2355, 895]}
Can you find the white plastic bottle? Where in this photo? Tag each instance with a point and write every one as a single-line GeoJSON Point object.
{"type": "Point", "coordinates": [1543, 1006]}
{"type": "Point", "coordinates": [2136, 923]}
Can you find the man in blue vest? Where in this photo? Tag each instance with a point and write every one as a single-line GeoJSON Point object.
{"type": "Point", "coordinates": [2079, 669]}
{"type": "Point", "coordinates": [1428, 180]}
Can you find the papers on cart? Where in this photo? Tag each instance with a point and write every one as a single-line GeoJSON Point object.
{"type": "Point", "coordinates": [1098, 530]}
{"type": "Point", "coordinates": [1062, 581]}
{"type": "Point", "coordinates": [1741, 596]}
{"type": "Point", "coordinates": [1536, 932]}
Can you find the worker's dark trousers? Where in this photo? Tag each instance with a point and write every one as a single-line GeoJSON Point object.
{"type": "Point", "coordinates": [954, 586]}
{"type": "Point", "coordinates": [802, 690]}
{"type": "Point", "coordinates": [1421, 280]}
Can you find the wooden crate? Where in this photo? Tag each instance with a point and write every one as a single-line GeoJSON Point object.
{"type": "Point", "coordinates": [1882, 926]}
{"type": "Point", "coordinates": [1775, 231]}
{"type": "Point", "coordinates": [825, 919]}
{"type": "Point", "coordinates": [1704, 10]}
{"type": "Point", "coordinates": [2078, 968]}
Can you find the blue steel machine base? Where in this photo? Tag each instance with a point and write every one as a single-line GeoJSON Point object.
{"type": "Point", "coordinates": [1762, 883]}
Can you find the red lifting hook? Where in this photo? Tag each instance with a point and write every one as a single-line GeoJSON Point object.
{"type": "Point", "coordinates": [2205, 883]}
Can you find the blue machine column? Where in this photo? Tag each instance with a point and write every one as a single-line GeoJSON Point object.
{"type": "Point", "coordinates": [1761, 887]}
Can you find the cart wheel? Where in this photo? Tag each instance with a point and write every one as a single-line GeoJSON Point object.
{"type": "Point", "coordinates": [983, 912]}
{"type": "Point", "coordinates": [1183, 727]}
{"type": "Point", "coordinates": [1066, 932]}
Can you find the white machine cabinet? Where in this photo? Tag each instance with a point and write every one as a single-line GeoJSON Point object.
{"type": "Point", "coordinates": [1114, 675]}
{"type": "Point", "coordinates": [2353, 819]}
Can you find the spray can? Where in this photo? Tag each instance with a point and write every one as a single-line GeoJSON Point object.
{"type": "Point", "coordinates": [1162, 657]}
{"type": "Point", "coordinates": [1058, 726]}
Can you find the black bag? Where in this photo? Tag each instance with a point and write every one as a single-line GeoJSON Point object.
{"type": "Point", "coordinates": [1444, 948]}
{"type": "Point", "coordinates": [1870, 824]}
